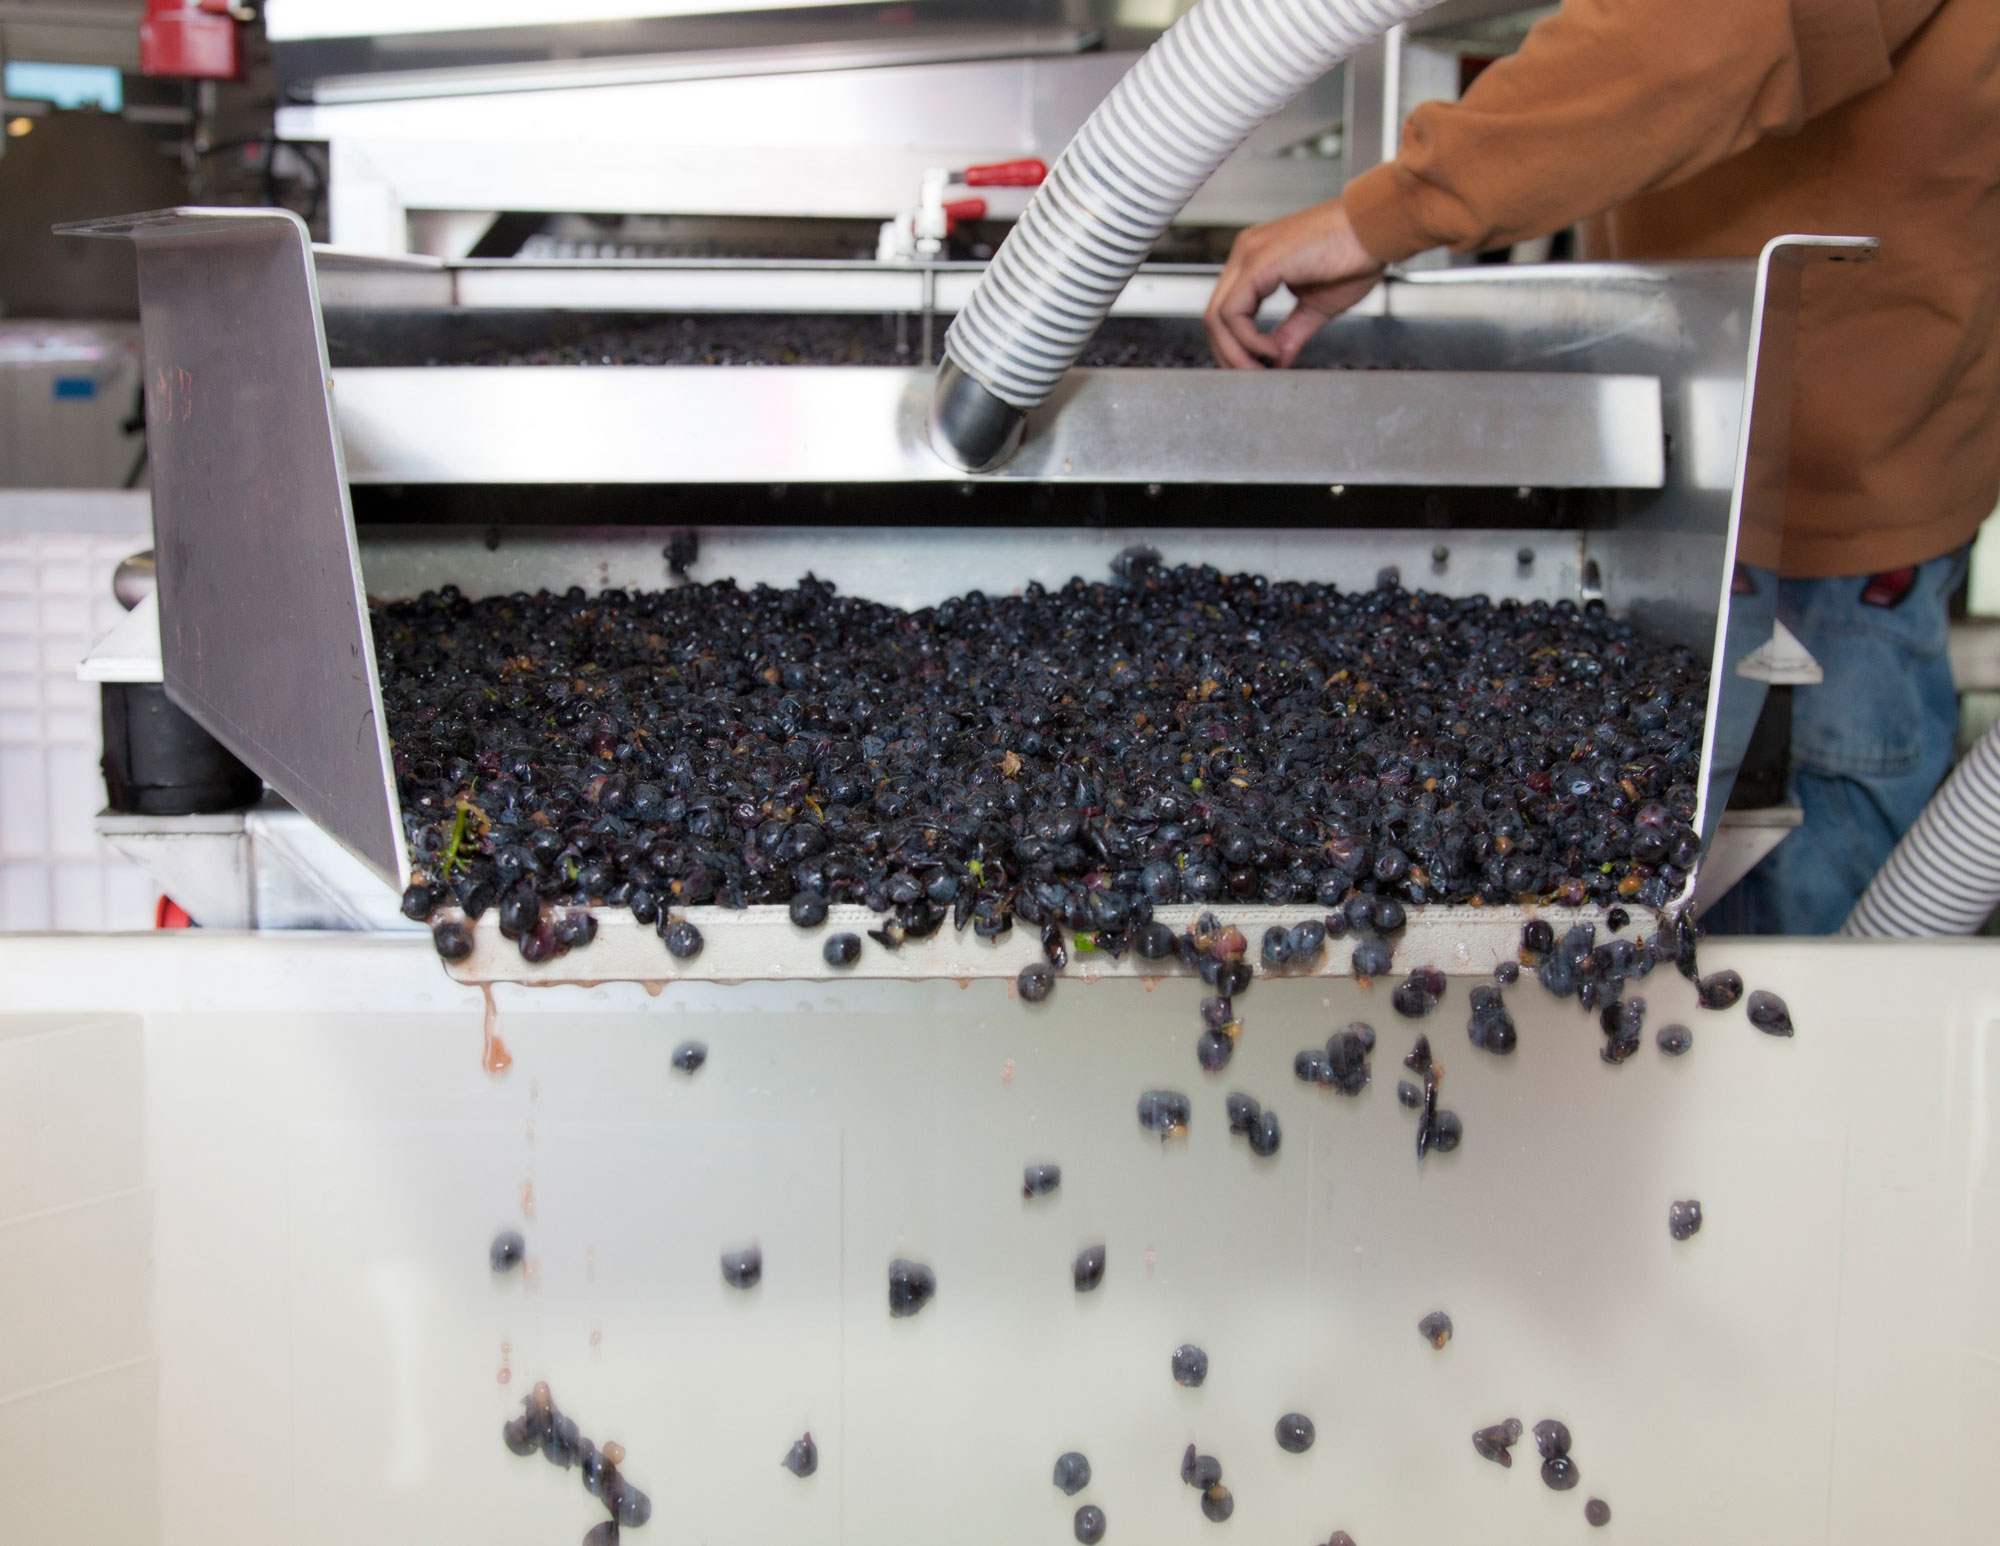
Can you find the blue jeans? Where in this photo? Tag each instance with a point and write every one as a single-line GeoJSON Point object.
{"type": "Point", "coordinates": [1870, 744]}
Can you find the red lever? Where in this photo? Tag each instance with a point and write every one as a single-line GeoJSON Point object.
{"type": "Point", "coordinates": [1007, 174]}
{"type": "Point", "coordinates": [958, 211]}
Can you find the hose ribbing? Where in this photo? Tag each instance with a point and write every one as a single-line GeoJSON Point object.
{"type": "Point", "coordinates": [1944, 877]}
{"type": "Point", "coordinates": [1178, 114]}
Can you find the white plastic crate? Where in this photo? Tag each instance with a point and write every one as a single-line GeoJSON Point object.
{"type": "Point", "coordinates": [55, 602]}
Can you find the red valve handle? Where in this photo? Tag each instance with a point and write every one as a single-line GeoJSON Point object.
{"type": "Point", "coordinates": [958, 211]}
{"type": "Point", "coordinates": [1007, 174]}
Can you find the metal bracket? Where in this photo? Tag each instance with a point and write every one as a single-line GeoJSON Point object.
{"type": "Point", "coordinates": [265, 637]}
{"type": "Point", "coordinates": [1763, 458]}
{"type": "Point", "coordinates": [1782, 662]}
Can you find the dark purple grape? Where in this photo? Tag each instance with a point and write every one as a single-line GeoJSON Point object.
{"type": "Point", "coordinates": [912, 1285]}
{"type": "Point", "coordinates": [1551, 1438]}
{"type": "Point", "coordinates": [1089, 1524]}
{"type": "Point", "coordinates": [519, 913]}
{"type": "Point", "coordinates": [1616, 919]}
{"type": "Point", "coordinates": [1036, 981]}
{"type": "Point", "coordinates": [1189, 1365]}
{"type": "Point", "coordinates": [1264, 1137]}
{"type": "Point", "coordinates": [1412, 998]}
{"type": "Point", "coordinates": [1497, 1442]}
{"type": "Point", "coordinates": [1346, 1064]}
{"type": "Point", "coordinates": [518, 1438]}
{"type": "Point", "coordinates": [1623, 1024]}
{"type": "Point", "coordinates": [595, 1468]}
{"type": "Point", "coordinates": [1684, 1219]}
{"type": "Point", "coordinates": [1768, 1013]}
{"type": "Point", "coordinates": [1165, 1112]}
{"type": "Point", "coordinates": [1087, 1271]}
{"type": "Point", "coordinates": [1538, 937]}
{"type": "Point", "coordinates": [1072, 1473]}
{"type": "Point", "coordinates": [743, 1269]}
{"type": "Point", "coordinates": [1373, 956]}
{"type": "Point", "coordinates": [1217, 1504]}
{"type": "Point", "coordinates": [1719, 990]}
{"type": "Point", "coordinates": [1277, 947]}
{"type": "Point", "coordinates": [1309, 1066]}
{"type": "Point", "coordinates": [807, 909]}
{"type": "Point", "coordinates": [419, 900]}
{"type": "Point", "coordinates": [507, 1251]}
{"type": "Point", "coordinates": [539, 943]}
{"type": "Point", "coordinates": [1436, 1329]}
{"type": "Point", "coordinates": [453, 940]}
{"type": "Point", "coordinates": [689, 1056]}
{"type": "Point", "coordinates": [1408, 1094]}
{"type": "Point", "coordinates": [1447, 1132]}
{"type": "Point", "coordinates": [575, 930]}
{"type": "Point", "coordinates": [1212, 1051]}
{"type": "Point", "coordinates": [1559, 1473]}
{"type": "Point", "coordinates": [1674, 1039]}
{"type": "Point", "coordinates": [842, 950]}
{"type": "Point", "coordinates": [1295, 1433]}
{"type": "Point", "coordinates": [1200, 1471]}
{"type": "Point", "coordinates": [1154, 942]}
{"type": "Point", "coordinates": [1307, 942]}
{"type": "Point", "coordinates": [1507, 973]}
{"type": "Point", "coordinates": [1040, 1180]}
{"type": "Point", "coordinates": [683, 941]}
{"type": "Point", "coordinates": [802, 1459]}
{"type": "Point", "coordinates": [1242, 1111]}
{"type": "Point", "coordinates": [1597, 1513]}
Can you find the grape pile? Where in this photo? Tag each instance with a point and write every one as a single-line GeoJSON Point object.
{"type": "Point", "coordinates": [783, 339]}
{"type": "Point", "coordinates": [1067, 758]}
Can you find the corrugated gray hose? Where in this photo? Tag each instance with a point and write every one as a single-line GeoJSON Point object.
{"type": "Point", "coordinates": [1944, 877]}
{"type": "Point", "coordinates": [1182, 110]}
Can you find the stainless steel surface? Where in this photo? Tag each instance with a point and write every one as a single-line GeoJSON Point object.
{"type": "Point", "coordinates": [1763, 461]}
{"type": "Point", "coordinates": [1518, 376]}
{"type": "Point", "coordinates": [915, 567]}
{"type": "Point", "coordinates": [846, 143]}
{"type": "Point", "coordinates": [355, 281]}
{"type": "Point", "coordinates": [705, 64]}
{"type": "Point", "coordinates": [1742, 839]}
{"type": "Point", "coordinates": [265, 868]}
{"type": "Point", "coordinates": [803, 424]}
{"type": "Point", "coordinates": [265, 636]}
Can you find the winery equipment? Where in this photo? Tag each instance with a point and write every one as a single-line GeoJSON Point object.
{"type": "Point", "coordinates": [263, 1300]}
{"type": "Point", "coordinates": [1573, 432]}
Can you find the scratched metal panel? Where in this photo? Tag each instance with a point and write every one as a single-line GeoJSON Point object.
{"type": "Point", "coordinates": [264, 625]}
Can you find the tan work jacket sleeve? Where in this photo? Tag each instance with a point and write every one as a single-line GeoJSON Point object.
{"type": "Point", "coordinates": [1612, 98]}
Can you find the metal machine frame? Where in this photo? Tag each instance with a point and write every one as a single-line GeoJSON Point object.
{"type": "Point", "coordinates": [1624, 384]}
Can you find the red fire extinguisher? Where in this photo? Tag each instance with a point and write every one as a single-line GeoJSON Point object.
{"type": "Point", "coordinates": [189, 40]}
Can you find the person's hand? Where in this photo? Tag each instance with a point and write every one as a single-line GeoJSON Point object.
{"type": "Point", "coordinates": [1317, 255]}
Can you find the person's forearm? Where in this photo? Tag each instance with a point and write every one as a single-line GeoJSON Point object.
{"type": "Point", "coordinates": [1609, 99]}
